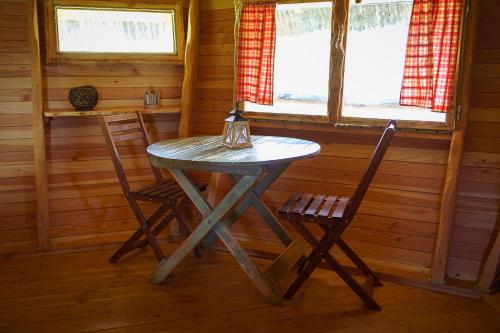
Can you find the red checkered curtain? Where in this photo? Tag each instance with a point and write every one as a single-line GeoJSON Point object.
{"type": "Point", "coordinates": [255, 57]}
{"type": "Point", "coordinates": [431, 54]}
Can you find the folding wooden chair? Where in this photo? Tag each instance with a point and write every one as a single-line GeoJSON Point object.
{"type": "Point", "coordinates": [333, 214]}
{"type": "Point", "coordinates": [127, 127]}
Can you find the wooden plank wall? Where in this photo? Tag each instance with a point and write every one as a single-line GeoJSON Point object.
{"type": "Point", "coordinates": [85, 200]}
{"type": "Point", "coordinates": [86, 204]}
{"type": "Point", "coordinates": [17, 195]}
{"type": "Point", "coordinates": [478, 204]}
{"type": "Point", "coordinates": [398, 221]}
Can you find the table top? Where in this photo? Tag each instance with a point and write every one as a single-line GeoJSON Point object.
{"type": "Point", "coordinates": [208, 152]}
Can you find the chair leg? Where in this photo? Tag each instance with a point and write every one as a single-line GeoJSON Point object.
{"type": "Point", "coordinates": [162, 225]}
{"type": "Point", "coordinates": [305, 272]}
{"type": "Point", "coordinates": [184, 225]}
{"type": "Point", "coordinates": [309, 237]}
{"type": "Point", "coordinates": [355, 286]}
{"type": "Point", "coordinates": [332, 235]}
{"type": "Point", "coordinates": [134, 241]}
{"type": "Point", "coordinates": [129, 244]}
{"type": "Point", "coordinates": [312, 262]}
{"type": "Point", "coordinates": [146, 228]}
{"type": "Point", "coordinates": [321, 251]}
{"type": "Point", "coordinates": [358, 262]}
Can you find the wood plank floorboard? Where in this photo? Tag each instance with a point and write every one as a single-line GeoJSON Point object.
{"type": "Point", "coordinates": [82, 292]}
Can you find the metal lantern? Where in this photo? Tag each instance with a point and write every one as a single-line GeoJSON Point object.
{"type": "Point", "coordinates": [237, 131]}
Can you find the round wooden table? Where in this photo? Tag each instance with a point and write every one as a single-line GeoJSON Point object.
{"type": "Point", "coordinates": [208, 153]}
{"type": "Point", "coordinates": [253, 171]}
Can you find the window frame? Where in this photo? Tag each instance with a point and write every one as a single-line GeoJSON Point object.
{"type": "Point", "coordinates": [54, 56]}
{"type": "Point", "coordinates": [334, 116]}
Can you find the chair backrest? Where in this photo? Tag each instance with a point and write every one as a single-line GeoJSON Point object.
{"type": "Point", "coordinates": [122, 128]}
{"type": "Point", "coordinates": [370, 172]}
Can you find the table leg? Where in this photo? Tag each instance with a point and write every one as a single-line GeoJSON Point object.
{"type": "Point", "coordinates": [260, 280]}
{"type": "Point", "coordinates": [268, 217]}
{"type": "Point", "coordinates": [211, 218]}
{"type": "Point", "coordinates": [253, 198]}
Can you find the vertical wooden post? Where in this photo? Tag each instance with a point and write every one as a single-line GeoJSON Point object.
{"type": "Point", "coordinates": [219, 185]}
{"type": "Point", "coordinates": [490, 269]}
{"type": "Point", "coordinates": [190, 69]}
{"type": "Point", "coordinates": [448, 204]}
{"type": "Point", "coordinates": [338, 43]}
{"type": "Point", "coordinates": [189, 82]}
{"type": "Point", "coordinates": [38, 129]}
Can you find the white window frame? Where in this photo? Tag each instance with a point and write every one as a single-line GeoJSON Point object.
{"type": "Point", "coordinates": [55, 56]}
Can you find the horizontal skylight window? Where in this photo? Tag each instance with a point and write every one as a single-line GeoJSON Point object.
{"type": "Point", "coordinates": [97, 30]}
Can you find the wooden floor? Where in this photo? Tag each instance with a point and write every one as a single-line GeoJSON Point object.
{"type": "Point", "coordinates": [83, 292]}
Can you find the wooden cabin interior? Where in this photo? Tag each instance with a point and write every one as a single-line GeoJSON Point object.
{"type": "Point", "coordinates": [427, 226]}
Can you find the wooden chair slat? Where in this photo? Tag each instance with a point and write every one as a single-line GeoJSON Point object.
{"type": "Point", "coordinates": [301, 206]}
{"type": "Point", "coordinates": [147, 188]}
{"type": "Point", "coordinates": [120, 117]}
{"type": "Point", "coordinates": [313, 207]}
{"type": "Point", "coordinates": [286, 208]}
{"type": "Point", "coordinates": [167, 192]}
{"type": "Point", "coordinates": [124, 127]}
{"type": "Point", "coordinates": [164, 192]}
{"type": "Point", "coordinates": [128, 136]}
{"type": "Point", "coordinates": [174, 195]}
{"type": "Point", "coordinates": [159, 189]}
{"type": "Point", "coordinates": [338, 213]}
{"type": "Point", "coordinates": [327, 206]}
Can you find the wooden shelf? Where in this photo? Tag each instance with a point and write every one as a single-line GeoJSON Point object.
{"type": "Point", "coordinates": [111, 110]}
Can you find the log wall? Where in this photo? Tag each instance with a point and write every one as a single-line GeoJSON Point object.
{"type": "Point", "coordinates": [477, 217]}
{"type": "Point", "coordinates": [86, 205]}
{"type": "Point", "coordinates": [17, 194]}
{"type": "Point", "coordinates": [397, 224]}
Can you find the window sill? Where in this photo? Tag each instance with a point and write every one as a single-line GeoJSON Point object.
{"type": "Point", "coordinates": [414, 125]}
{"type": "Point", "coordinates": [286, 117]}
{"type": "Point", "coordinates": [322, 123]}
{"type": "Point", "coordinates": [326, 130]}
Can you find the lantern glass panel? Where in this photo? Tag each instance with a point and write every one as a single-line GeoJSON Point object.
{"type": "Point", "coordinates": [241, 133]}
{"type": "Point", "coordinates": [227, 133]}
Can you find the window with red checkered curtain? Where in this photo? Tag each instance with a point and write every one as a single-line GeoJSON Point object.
{"type": "Point", "coordinates": [431, 54]}
{"type": "Point", "coordinates": [255, 57]}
